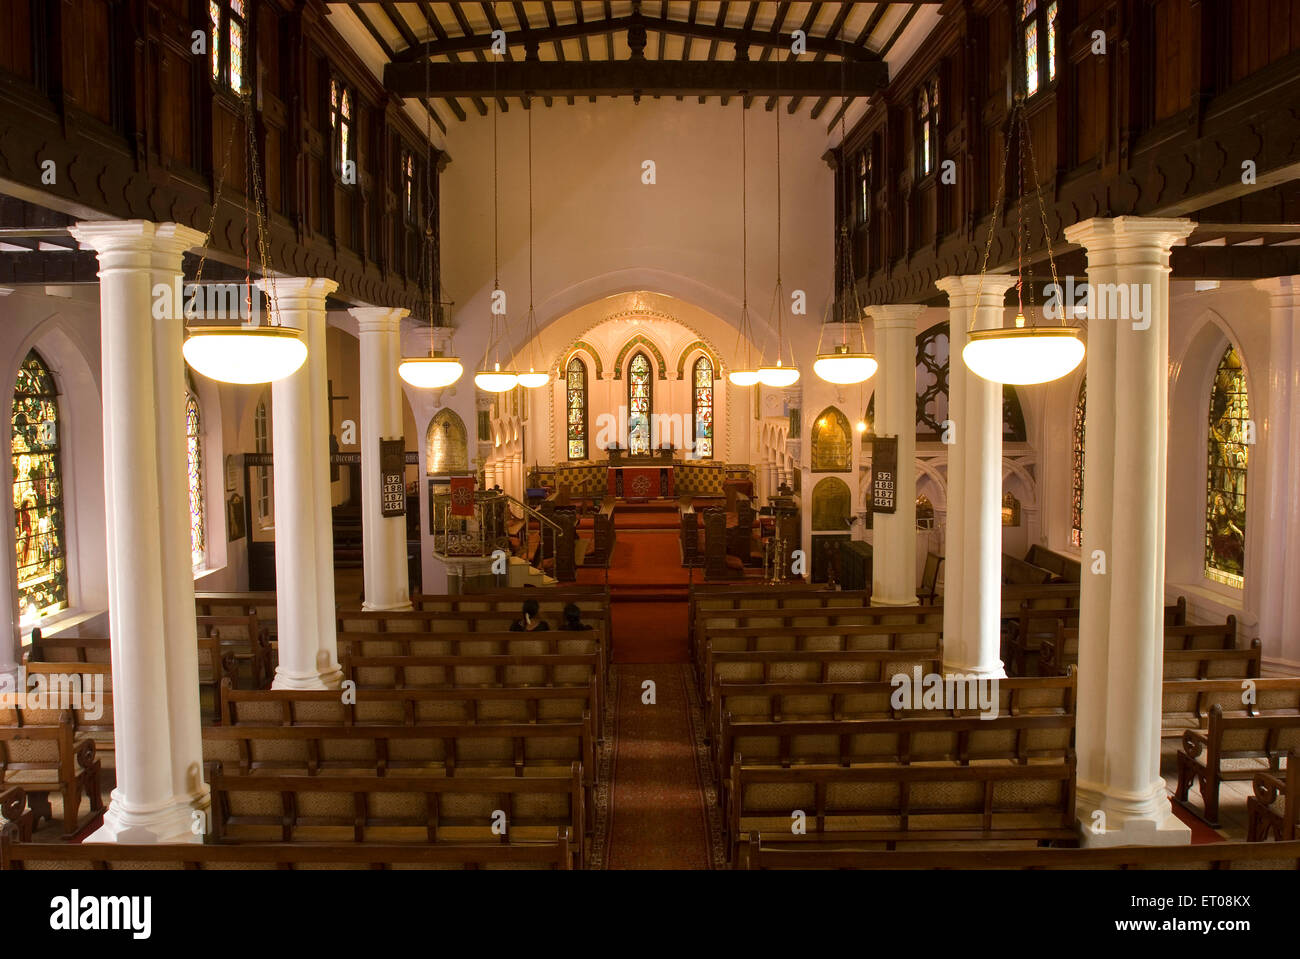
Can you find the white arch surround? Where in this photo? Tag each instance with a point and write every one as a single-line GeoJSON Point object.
{"type": "Point", "coordinates": [1191, 378]}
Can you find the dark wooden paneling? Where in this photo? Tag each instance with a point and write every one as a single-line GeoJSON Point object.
{"type": "Point", "coordinates": [1173, 55]}
{"type": "Point", "coordinates": [16, 39]}
{"type": "Point", "coordinates": [1263, 31]}
{"type": "Point", "coordinates": [87, 40]}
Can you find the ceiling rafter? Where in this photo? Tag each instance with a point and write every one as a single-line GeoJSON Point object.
{"type": "Point", "coordinates": [835, 27]}
{"type": "Point", "coordinates": [388, 52]}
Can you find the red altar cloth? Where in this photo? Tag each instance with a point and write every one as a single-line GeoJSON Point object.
{"type": "Point", "coordinates": [639, 482]}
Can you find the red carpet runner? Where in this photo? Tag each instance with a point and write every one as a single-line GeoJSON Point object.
{"type": "Point", "coordinates": [659, 814]}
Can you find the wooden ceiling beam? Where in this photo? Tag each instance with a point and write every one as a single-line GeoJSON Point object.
{"type": "Point", "coordinates": [647, 77]}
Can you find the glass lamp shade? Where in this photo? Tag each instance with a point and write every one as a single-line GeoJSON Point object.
{"type": "Point", "coordinates": [238, 354]}
{"type": "Point", "coordinates": [743, 377]}
{"type": "Point", "coordinates": [845, 368]}
{"type": "Point", "coordinates": [778, 375]}
{"type": "Point", "coordinates": [533, 379]}
{"type": "Point", "coordinates": [496, 380]}
{"type": "Point", "coordinates": [1023, 355]}
{"type": "Point", "coordinates": [430, 372]}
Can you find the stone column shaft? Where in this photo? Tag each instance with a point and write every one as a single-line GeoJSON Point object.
{"type": "Point", "coordinates": [1121, 620]}
{"type": "Point", "coordinates": [304, 536]}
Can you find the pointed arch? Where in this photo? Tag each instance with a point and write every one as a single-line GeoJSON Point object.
{"type": "Point", "coordinates": [582, 346]}
{"type": "Point", "coordinates": [640, 403]}
{"type": "Point", "coordinates": [639, 340]}
{"type": "Point", "coordinates": [702, 375]}
{"type": "Point", "coordinates": [832, 451]}
{"type": "Point", "coordinates": [38, 490]}
{"type": "Point", "coordinates": [446, 444]}
{"type": "Point", "coordinates": [832, 504]}
{"type": "Point", "coordinates": [692, 347]}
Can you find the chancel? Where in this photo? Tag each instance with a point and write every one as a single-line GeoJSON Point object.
{"type": "Point", "coordinates": [598, 435]}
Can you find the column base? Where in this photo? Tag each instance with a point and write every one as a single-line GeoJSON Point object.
{"type": "Point", "coordinates": [886, 600]}
{"type": "Point", "coordinates": [1129, 820]}
{"type": "Point", "coordinates": [329, 678]}
{"type": "Point", "coordinates": [995, 671]}
{"type": "Point", "coordinates": [182, 819]}
{"type": "Point", "coordinates": [388, 607]}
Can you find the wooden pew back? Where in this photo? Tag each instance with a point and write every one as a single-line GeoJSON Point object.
{"type": "Point", "coordinates": [1186, 703]}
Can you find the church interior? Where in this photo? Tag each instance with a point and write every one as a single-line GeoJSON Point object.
{"type": "Point", "coordinates": [885, 416]}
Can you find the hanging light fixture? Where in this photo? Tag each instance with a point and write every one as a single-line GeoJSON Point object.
{"type": "Point", "coordinates": [778, 375]}
{"type": "Point", "coordinates": [432, 372]}
{"type": "Point", "coordinates": [534, 378]}
{"type": "Point", "coordinates": [491, 378]}
{"type": "Point", "coordinates": [247, 353]}
{"type": "Point", "coordinates": [747, 375]}
{"type": "Point", "coordinates": [1021, 355]}
{"type": "Point", "coordinates": [845, 364]}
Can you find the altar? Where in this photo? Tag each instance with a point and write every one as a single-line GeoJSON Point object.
{"type": "Point", "coordinates": [640, 482]}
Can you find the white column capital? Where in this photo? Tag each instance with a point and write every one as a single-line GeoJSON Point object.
{"type": "Point", "coordinates": [1129, 235]}
{"type": "Point", "coordinates": [889, 316]}
{"type": "Point", "coordinates": [964, 289]}
{"type": "Point", "coordinates": [302, 292]}
{"type": "Point", "coordinates": [378, 319]}
{"type": "Point", "coordinates": [134, 235]}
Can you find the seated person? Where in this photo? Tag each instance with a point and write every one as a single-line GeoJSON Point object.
{"type": "Point", "coordinates": [573, 619]}
{"type": "Point", "coordinates": [529, 623]}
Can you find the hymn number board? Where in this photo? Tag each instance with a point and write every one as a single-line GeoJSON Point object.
{"type": "Point", "coordinates": [392, 477]}
{"type": "Point", "coordinates": [884, 473]}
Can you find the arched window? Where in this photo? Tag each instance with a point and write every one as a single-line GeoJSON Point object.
{"type": "Point", "coordinates": [576, 402]}
{"type": "Point", "coordinates": [927, 127]}
{"type": "Point", "coordinates": [38, 492]}
{"type": "Point", "coordinates": [1039, 22]}
{"type": "Point", "coordinates": [194, 461]}
{"type": "Point", "coordinates": [1229, 450]}
{"type": "Point", "coordinates": [1076, 497]}
{"type": "Point", "coordinates": [702, 408]}
{"type": "Point", "coordinates": [638, 404]}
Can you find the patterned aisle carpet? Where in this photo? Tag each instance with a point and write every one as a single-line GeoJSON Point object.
{"type": "Point", "coordinates": [657, 805]}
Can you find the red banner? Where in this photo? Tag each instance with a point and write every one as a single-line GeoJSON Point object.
{"type": "Point", "coordinates": [462, 496]}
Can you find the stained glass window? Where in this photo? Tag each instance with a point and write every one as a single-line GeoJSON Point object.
{"type": "Point", "coordinates": [703, 408]}
{"type": "Point", "coordinates": [864, 185]}
{"type": "Point", "coordinates": [408, 186]}
{"type": "Point", "coordinates": [262, 444]}
{"type": "Point", "coordinates": [194, 460]}
{"type": "Point", "coordinates": [341, 124]}
{"type": "Point", "coordinates": [1076, 498]}
{"type": "Point", "coordinates": [638, 405]}
{"type": "Point", "coordinates": [1229, 450]}
{"type": "Point", "coordinates": [576, 399]}
{"type": "Point", "coordinates": [228, 19]}
{"type": "Point", "coordinates": [1031, 58]}
{"type": "Point", "coordinates": [38, 492]}
{"type": "Point", "coordinates": [1051, 42]}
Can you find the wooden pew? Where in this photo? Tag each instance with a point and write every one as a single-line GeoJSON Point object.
{"type": "Point", "coordinates": [1203, 752]}
{"type": "Point", "coordinates": [91, 716]}
{"type": "Point", "coordinates": [885, 805]}
{"type": "Point", "coordinates": [1274, 809]}
{"type": "Point", "coordinates": [897, 742]}
{"type": "Point", "coordinates": [409, 707]}
{"type": "Point", "coordinates": [389, 809]}
{"type": "Point", "coordinates": [48, 758]}
{"type": "Point", "coordinates": [122, 856]}
{"type": "Point", "coordinates": [244, 638]}
{"type": "Point", "coordinates": [764, 853]}
{"type": "Point", "coordinates": [1019, 573]}
{"type": "Point", "coordinates": [261, 603]}
{"type": "Point", "coordinates": [688, 521]}
{"type": "Point", "coordinates": [1064, 569]}
{"type": "Point", "coordinates": [810, 702]}
{"type": "Point", "coordinates": [552, 600]}
{"type": "Point", "coordinates": [14, 814]}
{"type": "Point", "coordinates": [1186, 703]}
{"type": "Point", "coordinates": [817, 666]}
{"type": "Point", "coordinates": [602, 536]}
{"type": "Point", "coordinates": [1054, 634]}
{"type": "Point", "coordinates": [1213, 663]}
{"type": "Point", "coordinates": [1043, 596]}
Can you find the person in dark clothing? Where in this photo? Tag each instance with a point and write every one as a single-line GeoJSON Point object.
{"type": "Point", "coordinates": [573, 619]}
{"type": "Point", "coordinates": [529, 623]}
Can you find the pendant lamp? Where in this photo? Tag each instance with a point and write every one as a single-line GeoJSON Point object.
{"type": "Point", "coordinates": [778, 374]}
{"type": "Point", "coordinates": [432, 372]}
{"type": "Point", "coordinates": [247, 353]}
{"type": "Point", "coordinates": [1022, 354]}
{"type": "Point", "coordinates": [748, 374]}
{"type": "Point", "coordinates": [534, 378]}
{"type": "Point", "coordinates": [490, 377]}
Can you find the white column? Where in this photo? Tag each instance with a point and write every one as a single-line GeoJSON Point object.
{"type": "Point", "coordinates": [1121, 619]}
{"type": "Point", "coordinates": [1279, 601]}
{"type": "Point", "coordinates": [972, 599]}
{"type": "Point", "coordinates": [383, 538]}
{"type": "Point", "coordinates": [893, 570]}
{"type": "Point", "coordinates": [158, 764]}
{"type": "Point", "coordinates": [181, 637]}
{"type": "Point", "coordinates": [304, 537]}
